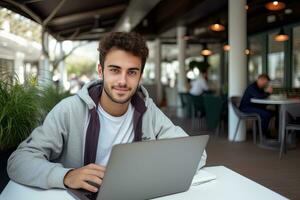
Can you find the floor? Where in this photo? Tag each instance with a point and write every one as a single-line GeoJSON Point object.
{"type": "Point", "coordinates": [260, 165]}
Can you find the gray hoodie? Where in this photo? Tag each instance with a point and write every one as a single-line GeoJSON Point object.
{"type": "Point", "coordinates": [66, 139]}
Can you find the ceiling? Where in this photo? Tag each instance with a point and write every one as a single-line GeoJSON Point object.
{"type": "Point", "coordinates": [90, 19]}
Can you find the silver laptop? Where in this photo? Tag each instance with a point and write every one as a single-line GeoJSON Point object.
{"type": "Point", "coordinates": [145, 170]}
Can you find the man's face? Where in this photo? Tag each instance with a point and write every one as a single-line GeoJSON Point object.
{"type": "Point", "coordinates": [121, 75]}
{"type": "Point", "coordinates": [262, 82]}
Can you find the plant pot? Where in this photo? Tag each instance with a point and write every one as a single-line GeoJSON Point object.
{"type": "Point", "coordinates": [4, 155]}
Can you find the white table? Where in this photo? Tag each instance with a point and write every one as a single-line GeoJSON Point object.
{"type": "Point", "coordinates": [285, 104]}
{"type": "Point", "coordinates": [276, 101]}
{"type": "Point", "coordinates": [228, 185]}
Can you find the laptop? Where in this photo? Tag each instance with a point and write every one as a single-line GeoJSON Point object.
{"type": "Point", "coordinates": [145, 170]}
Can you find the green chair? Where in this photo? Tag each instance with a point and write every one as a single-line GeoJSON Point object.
{"type": "Point", "coordinates": [186, 104]}
{"type": "Point", "coordinates": [198, 111]}
{"type": "Point", "coordinates": [213, 107]}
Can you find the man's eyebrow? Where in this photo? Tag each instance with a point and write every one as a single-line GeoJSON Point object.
{"type": "Point", "coordinates": [118, 67]}
{"type": "Point", "coordinates": [114, 66]}
{"type": "Point", "coordinates": [134, 68]}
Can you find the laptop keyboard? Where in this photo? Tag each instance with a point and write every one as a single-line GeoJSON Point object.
{"type": "Point", "coordinates": [92, 196]}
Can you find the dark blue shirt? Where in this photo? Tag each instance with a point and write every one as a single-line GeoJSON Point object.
{"type": "Point", "coordinates": [252, 91]}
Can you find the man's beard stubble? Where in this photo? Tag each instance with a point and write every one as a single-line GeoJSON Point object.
{"type": "Point", "coordinates": [106, 90]}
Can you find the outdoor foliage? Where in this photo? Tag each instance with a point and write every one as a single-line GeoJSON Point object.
{"type": "Point", "coordinates": [20, 25]}
{"type": "Point", "coordinates": [24, 107]}
{"type": "Point", "coordinates": [19, 113]}
{"type": "Point", "coordinates": [49, 97]}
{"type": "Point", "coordinates": [81, 66]}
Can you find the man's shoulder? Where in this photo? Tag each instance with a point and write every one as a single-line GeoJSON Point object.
{"type": "Point", "coordinates": [252, 86]}
{"type": "Point", "coordinates": [71, 102]}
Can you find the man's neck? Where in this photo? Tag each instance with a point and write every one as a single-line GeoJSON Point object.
{"type": "Point", "coordinates": [112, 108]}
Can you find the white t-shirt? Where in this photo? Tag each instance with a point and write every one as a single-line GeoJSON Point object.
{"type": "Point", "coordinates": [113, 130]}
{"type": "Point", "coordinates": [198, 86]}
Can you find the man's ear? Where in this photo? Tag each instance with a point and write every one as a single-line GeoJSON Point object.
{"type": "Point", "coordinates": [100, 72]}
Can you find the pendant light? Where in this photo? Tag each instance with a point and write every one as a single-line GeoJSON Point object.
{"type": "Point", "coordinates": [206, 51]}
{"type": "Point", "coordinates": [275, 5]}
{"type": "Point", "coordinates": [281, 36]}
{"type": "Point", "coordinates": [217, 26]}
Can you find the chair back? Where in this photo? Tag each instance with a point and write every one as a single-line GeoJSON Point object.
{"type": "Point", "coordinates": [186, 104]}
{"type": "Point", "coordinates": [213, 106]}
{"type": "Point", "coordinates": [292, 113]}
{"type": "Point", "coordinates": [197, 103]}
{"type": "Point", "coordinates": [183, 98]}
{"type": "Point", "coordinates": [235, 103]}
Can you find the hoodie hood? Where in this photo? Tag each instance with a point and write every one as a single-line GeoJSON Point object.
{"type": "Point", "coordinates": [83, 93]}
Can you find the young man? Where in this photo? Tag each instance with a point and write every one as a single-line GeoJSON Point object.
{"type": "Point", "coordinates": [260, 90]}
{"type": "Point", "coordinates": [72, 147]}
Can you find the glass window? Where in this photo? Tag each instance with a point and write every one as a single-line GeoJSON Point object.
{"type": "Point", "coordinates": [6, 68]}
{"type": "Point", "coordinates": [215, 66]}
{"type": "Point", "coordinates": [276, 61]}
{"type": "Point", "coordinates": [296, 57]}
{"type": "Point", "coordinates": [255, 58]}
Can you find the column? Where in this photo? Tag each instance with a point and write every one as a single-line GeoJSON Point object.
{"type": "Point", "coordinates": [44, 77]}
{"type": "Point", "coordinates": [237, 74]}
{"type": "Point", "coordinates": [62, 69]}
{"type": "Point", "coordinates": [158, 70]}
{"type": "Point", "coordinates": [181, 45]}
{"type": "Point", "coordinates": [19, 67]}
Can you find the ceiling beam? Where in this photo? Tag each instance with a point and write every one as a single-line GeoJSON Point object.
{"type": "Point", "coordinates": [31, 1]}
{"type": "Point", "coordinates": [134, 14]}
{"type": "Point", "coordinates": [53, 13]}
{"type": "Point", "coordinates": [26, 10]}
{"type": "Point", "coordinates": [85, 15]}
{"type": "Point", "coordinates": [89, 36]}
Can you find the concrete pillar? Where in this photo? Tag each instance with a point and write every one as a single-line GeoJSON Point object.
{"type": "Point", "coordinates": [62, 69]}
{"type": "Point", "coordinates": [27, 71]}
{"type": "Point", "coordinates": [181, 43]}
{"type": "Point", "coordinates": [237, 75]}
{"type": "Point", "coordinates": [158, 70]}
{"type": "Point", "coordinates": [19, 67]}
{"type": "Point", "coordinates": [44, 77]}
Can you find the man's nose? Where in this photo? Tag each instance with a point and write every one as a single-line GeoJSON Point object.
{"type": "Point", "coordinates": [122, 79]}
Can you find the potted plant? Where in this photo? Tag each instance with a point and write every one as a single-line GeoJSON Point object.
{"type": "Point", "coordinates": [50, 96]}
{"type": "Point", "coordinates": [19, 114]}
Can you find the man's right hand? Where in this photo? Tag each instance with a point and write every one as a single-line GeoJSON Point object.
{"type": "Point", "coordinates": [269, 89]}
{"type": "Point", "coordinates": [80, 178]}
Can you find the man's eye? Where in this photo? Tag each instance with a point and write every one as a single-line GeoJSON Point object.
{"type": "Point", "coordinates": [114, 70]}
{"type": "Point", "coordinates": [132, 72]}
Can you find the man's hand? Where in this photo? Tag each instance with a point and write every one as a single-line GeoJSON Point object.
{"type": "Point", "coordinates": [84, 176]}
{"type": "Point", "coordinates": [269, 89]}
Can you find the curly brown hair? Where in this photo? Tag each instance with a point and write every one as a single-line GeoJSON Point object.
{"type": "Point", "coordinates": [131, 42]}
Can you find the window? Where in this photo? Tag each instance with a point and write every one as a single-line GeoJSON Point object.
{"type": "Point", "coordinates": [296, 58]}
{"type": "Point", "coordinates": [255, 58]}
{"type": "Point", "coordinates": [6, 68]}
{"type": "Point", "coordinates": [215, 66]}
{"type": "Point", "coordinates": [276, 61]}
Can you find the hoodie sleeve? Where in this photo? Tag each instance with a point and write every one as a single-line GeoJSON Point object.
{"type": "Point", "coordinates": [31, 163]}
{"type": "Point", "coordinates": [164, 128]}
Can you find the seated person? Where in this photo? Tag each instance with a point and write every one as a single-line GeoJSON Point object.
{"type": "Point", "coordinates": [259, 90]}
{"type": "Point", "coordinates": [199, 85]}
{"type": "Point", "coordinates": [73, 145]}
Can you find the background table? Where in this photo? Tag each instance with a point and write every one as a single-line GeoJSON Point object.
{"type": "Point", "coordinates": [284, 105]}
{"type": "Point", "coordinates": [228, 185]}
